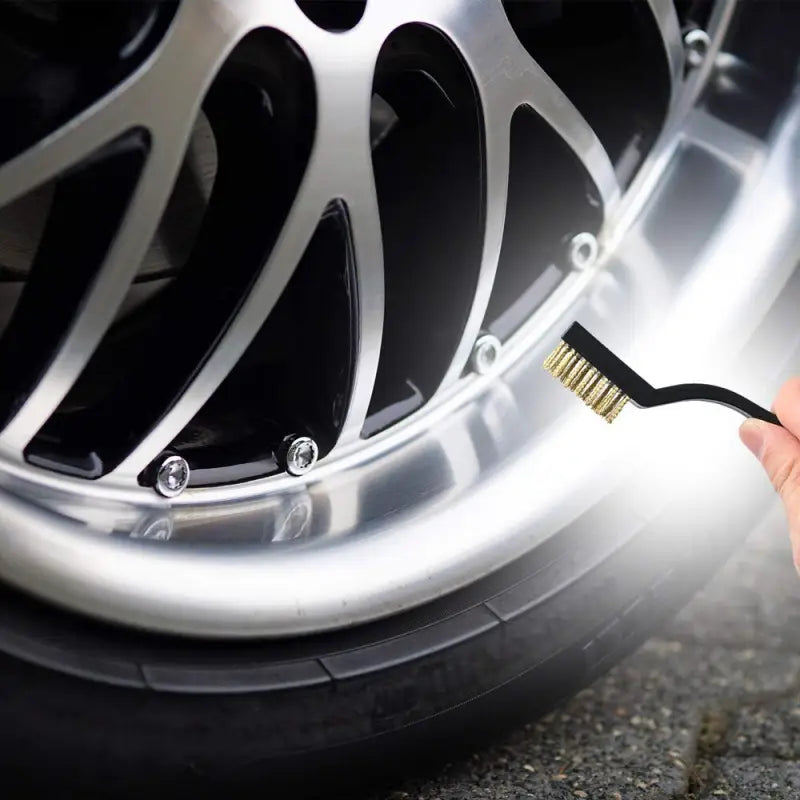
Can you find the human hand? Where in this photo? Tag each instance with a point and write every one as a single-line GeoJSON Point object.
{"type": "Point", "coordinates": [778, 450]}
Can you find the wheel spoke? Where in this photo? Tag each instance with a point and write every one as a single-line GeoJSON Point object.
{"type": "Point", "coordinates": [164, 99]}
{"type": "Point", "coordinates": [342, 125]}
{"type": "Point", "coordinates": [367, 243]}
{"type": "Point", "coordinates": [64, 148]}
{"type": "Point", "coordinates": [497, 141]}
{"type": "Point", "coordinates": [288, 251]}
{"type": "Point", "coordinates": [505, 83]}
{"type": "Point", "coordinates": [666, 20]}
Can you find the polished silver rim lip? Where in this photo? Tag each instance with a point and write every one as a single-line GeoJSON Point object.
{"type": "Point", "coordinates": [479, 521]}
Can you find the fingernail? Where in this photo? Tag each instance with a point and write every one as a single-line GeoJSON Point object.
{"type": "Point", "coordinates": [752, 435]}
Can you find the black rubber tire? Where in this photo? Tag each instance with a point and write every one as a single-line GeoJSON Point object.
{"type": "Point", "coordinates": [140, 711]}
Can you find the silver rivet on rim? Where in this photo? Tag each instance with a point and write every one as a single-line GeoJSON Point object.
{"type": "Point", "coordinates": [172, 476]}
{"type": "Point", "coordinates": [696, 43]}
{"type": "Point", "coordinates": [583, 250]}
{"type": "Point", "coordinates": [485, 353]}
{"type": "Point", "coordinates": [301, 454]}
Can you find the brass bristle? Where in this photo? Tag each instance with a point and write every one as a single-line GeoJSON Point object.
{"type": "Point", "coordinates": [592, 399]}
{"type": "Point", "coordinates": [555, 355]}
{"type": "Point", "coordinates": [572, 373]}
{"type": "Point", "coordinates": [609, 401]}
{"type": "Point", "coordinates": [578, 375]}
{"type": "Point", "coordinates": [565, 363]}
{"type": "Point", "coordinates": [618, 406]}
{"type": "Point", "coordinates": [586, 381]}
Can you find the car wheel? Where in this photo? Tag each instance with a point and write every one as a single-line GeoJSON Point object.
{"type": "Point", "coordinates": [286, 495]}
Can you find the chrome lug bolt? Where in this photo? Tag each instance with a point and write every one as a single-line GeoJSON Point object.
{"type": "Point", "coordinates": [172, 476]}
{"type": "Point", "coordinates": [485, 353]}
{"type": "Point", "coordinates": [300, 454]}
{"type": "Point", "coordinates": [583, 250]}
{"type": "Point", "coordinates": [696, 43]}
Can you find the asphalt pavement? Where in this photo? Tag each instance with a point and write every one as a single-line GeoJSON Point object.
{"type": "Point", "coordinates": [709, 709]}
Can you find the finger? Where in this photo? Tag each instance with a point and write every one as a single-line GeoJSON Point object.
{"type": "Point", "coordinates": [787, 405]}
{"type": "Point", "coordinates": [779, 453]}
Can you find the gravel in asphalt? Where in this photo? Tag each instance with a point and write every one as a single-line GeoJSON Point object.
{"type": "Point", "coordinates": [710, 709]}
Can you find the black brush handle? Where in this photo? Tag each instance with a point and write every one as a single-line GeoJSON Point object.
{"type": "Point", "coordinates": [712, 394]}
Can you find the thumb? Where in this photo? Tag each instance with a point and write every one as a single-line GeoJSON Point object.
{"type": "Point", "coordinates": [779, 454]}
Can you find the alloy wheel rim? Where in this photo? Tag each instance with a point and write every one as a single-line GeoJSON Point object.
{"type": "Point", "coordinates": [476, 427]}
